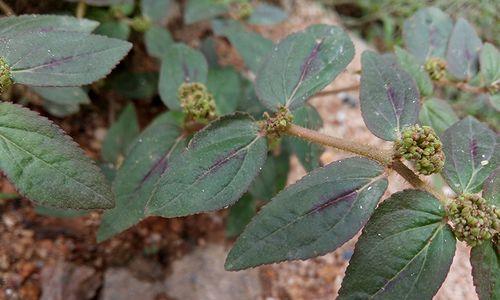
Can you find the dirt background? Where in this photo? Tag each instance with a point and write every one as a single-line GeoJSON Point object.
{"type": "Point", "coordinates": [48, 258]}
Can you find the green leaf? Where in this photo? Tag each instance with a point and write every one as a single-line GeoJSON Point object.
{"type": "Point", "coordinates": [471, 153]}
{"type": "Point", "coordinates": [157, 40]}
{"type": "Point", "coordinates": [156, 10]}
{"type": "Point", "coordinates": [62, 101]}
{"type": "Point", "coordinates": [266, 14]}
{"type": "Point", "coordinates": [120, 136]}
{"type": "Point", "coordinates": [147, 159]}
{"type": "Point", "coordinates": [10, 27]}
{"type": "Point", "coordinates": [491, 188]}
{"type": "Point", "coordinates": [225, 85]}
{"type": "Point", "coordinates": [180, 64]}
{"type": "Point", "coordinates": [240, 215]}
{"type": "Point", "coordinates": [404, 252]}
{"type": "Point", "coordinates": [114, 29]}
{"type": "Point", "coordinates": [437, 114]}
{"type": "Point", "coordinates": [252, 47]}
{"type": "Point", "coordinates": [218, 166]}
{"type": "Point", "coordinates": [60, 212]}
{"type": "Point", "coordinates": [46, 165]}
{"type": "Point", "coordinates": [303, 64]}
{"type": "Point", "coordinates": [249, 102]}
{"type": "Point", "coordinates": [272, 178]}
{"type": "Point", "coordinates": [410, 65]}
{"type": "Point", "coordinates": [462, 57]}
{"type": "Point", "coordinates": [63, 95]}
{"type": "Point", "coordinates": [389, 97]}
{"type": "Point", "coordinates": [312, 217]}
{"type": "Point", "coordinates": [489, 60]}
{"type": "Point", "coordinates": [201, 10]}
{"type": "Point", "coordinates": [426, 34]}
{"type": "Point", "coordinates": [133, 85]}
{"type": "Point", "coordinates": [61, 58]}
{"type": "Point", "coordinates": [485, 261]}
{"type": "Point", "coordinates": [308, 153]}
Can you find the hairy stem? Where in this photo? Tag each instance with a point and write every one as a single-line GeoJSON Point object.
{"type": "Point", "coordinates": [81, 9]}
{"type": "Point", "coordinates": [7, 10]}
{"type": "Point", "coordinates": [383, 156]}
{"type": "Point", "coordinates": [463, 86]}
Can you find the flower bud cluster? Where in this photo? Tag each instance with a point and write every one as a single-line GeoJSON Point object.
{"type": "Point", "coordinates": [436, 68]}
{"type": "Point", "coordinates": [422, 146]}
{"type": "Point", "coordinates": [140, 24]}
{"type": "Point", "coordinates": [197, 103]}
{"type": "Point", "coordinates": [243, 11]}
{"type": "Point", "coordinates": [5, 76]}
{"type": "Point", "coordinates": [275, 125]}
{"type": "Point", "coordinates": [474, 220]}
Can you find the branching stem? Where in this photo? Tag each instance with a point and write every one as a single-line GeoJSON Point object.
{"type": "Point", "coordinates": [384, 156]}
{"type": "Point", "coordinates": [462, 86]}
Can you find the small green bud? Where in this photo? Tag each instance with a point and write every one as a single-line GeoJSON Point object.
{"type": "Point", "coordinates": [274, 126]}
{"type": "Point", "coordinates": [436, 68]}
{"type": "Point", "coordinates": [5, 76]}
{"type": "Point", "coordinates": [474, 220]}
{"type": "Point", "coordinates": [198, 104]}
{"type": "Point", "coordinates": [243, 11]}
{"type": "Point", "coordinates": [422, 146]}
{"type": "Point", "coordinates": [140, 24]}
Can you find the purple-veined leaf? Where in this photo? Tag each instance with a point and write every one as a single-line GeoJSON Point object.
{"type": "Point", "coordinates": [485, 261]}
{"type": "Point", "coordinates": [61, 58]}
{"type": "Point", "coordinates": [462, 57]}
{"type": "Point", "coordinates": [301, 65]}
{"type": "Point", "coordinates": [404, 252]}
{"type": "Point", "coordinates": [46, 165]}
{"type": "Point", "coordinates": [389, 97]}
{"type": "Point", "coordinates": [180, 64]}
{"type": "Point", "coordinates": [471, 151]}
{"type": "Point", "coordinates": [216, 169]}
{"type": "Point", "coordinates": [312, 217]}
{"type": "Point", "coordinates": [426, 33]}
{"type": "Point", "coordinates": [491, 188]}
{"type": "Point", "coordinates": [148, 158]}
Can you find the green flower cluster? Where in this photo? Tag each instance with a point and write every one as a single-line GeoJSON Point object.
{"type": "Point", "coordinates": [5, 76]}
{"type": "Point", "coordinates": [422, 146]}
{"type": "Point", "coordinates": [140, 24]}
{"type": "Point", "coordinates": [474, 220]}
{"type": "Point", "coordinates": [243, 11]}
{"type": "Point", "coordinates": [436, 68]}
{"type": "Point", "coordinates": [198, 104]}
{"type": "Point", "coordinates": [274, 126]}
